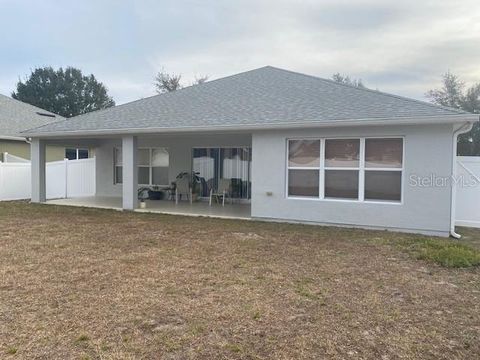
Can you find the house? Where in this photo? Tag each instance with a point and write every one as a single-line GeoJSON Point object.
{"type": "Point", "coordinates": [296, 148]}
{"type": "Point", "coordinates": [17, 116]}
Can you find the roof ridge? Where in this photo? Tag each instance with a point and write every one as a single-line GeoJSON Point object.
{"type": "Point", "coordinates": [457, 111]}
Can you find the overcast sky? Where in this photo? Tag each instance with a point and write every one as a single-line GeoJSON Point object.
{"type": "Point", "coordinates": [396, 46]}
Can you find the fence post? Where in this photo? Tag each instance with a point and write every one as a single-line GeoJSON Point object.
{"type": "Point", "coordinates": [65, 163]}
{"type": "Point", "coordinates": [1, 180]}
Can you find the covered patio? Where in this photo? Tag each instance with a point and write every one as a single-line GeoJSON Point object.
{"type": "Point", "coordinates": [198, 208]}
{"type": "Point", "coordinates": [130, 168]}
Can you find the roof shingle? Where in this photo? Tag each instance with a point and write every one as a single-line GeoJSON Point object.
{"type": "Point", "coordinates": [266, 95]}
{"type": "Point", "coordinates": [17, 116]}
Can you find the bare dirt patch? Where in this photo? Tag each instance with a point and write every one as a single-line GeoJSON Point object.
{"type": "Point", "coordinates": [98, 284]}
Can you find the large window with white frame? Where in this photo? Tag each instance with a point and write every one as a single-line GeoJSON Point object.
{"type": "Point", "coordinates": [358, 169]}
{"type": "Point", "coordinates": [153, 166]}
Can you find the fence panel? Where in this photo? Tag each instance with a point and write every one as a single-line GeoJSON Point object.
{"type": "Point", "coordinates": [468, 191]}
{"type": "Point", "coordinates": [80, 177]}
{"type": "Point", "coordinates": [56, 179]}
{"type": "Point", "coordinates": [15, 182]}
{"type": "Point", "coordinates": [66, 178]}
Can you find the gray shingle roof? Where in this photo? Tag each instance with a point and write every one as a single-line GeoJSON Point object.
{"type": "Point", "coordinates": [17, 116]}
{"type": "Point", "coordinates": [266, 95]}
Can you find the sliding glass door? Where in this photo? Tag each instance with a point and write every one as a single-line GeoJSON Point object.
{"type": "Point", "coordinates": [205, 163]}
{"type": "Point", "coordinates": [230, 163]}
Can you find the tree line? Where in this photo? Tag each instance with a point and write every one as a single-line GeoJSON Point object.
{"type": "Point", "coordinates": [67, 92]}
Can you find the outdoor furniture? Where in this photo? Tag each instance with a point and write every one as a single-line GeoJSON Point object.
{"type": "Point", "coordinates": [172, 190]}
{"type": "Point", "coordinates": [156, 194]}
{"type": "Point", "coordinates": [183, 188]}
{"type": "Point", "coordinates": [224, 190]}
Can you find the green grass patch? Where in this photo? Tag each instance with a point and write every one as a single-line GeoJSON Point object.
{"type": "Point", "coordinates": [256, 315]}
{"type": "Point", "coordinates": [82, 338]}
{"type": "Point", "coordinates": [235, 348]}
{"type": "Point", "coordinates": [447, 253]}
{"type": "Point", "coordinates": [303, 287]}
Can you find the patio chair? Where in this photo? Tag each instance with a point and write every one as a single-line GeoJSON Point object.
{"type": "Point", "coordinates": [183, 188]}
{"type": "Point", "coordinates": [223, 191]}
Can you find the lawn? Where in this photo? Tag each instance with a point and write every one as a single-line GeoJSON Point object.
{"type": "Point", "coordinates": [99, 284]}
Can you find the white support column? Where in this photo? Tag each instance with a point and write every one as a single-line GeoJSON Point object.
{"type": "Point", "coordinates": [130, 172]}
{"type": "Point", "coordinates": [37, 150]}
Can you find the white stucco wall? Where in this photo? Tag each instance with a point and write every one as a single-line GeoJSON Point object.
{"type": "Point", "coordinates": [180, 154]}
{"type": "Point", "coordinates": [428, 150]}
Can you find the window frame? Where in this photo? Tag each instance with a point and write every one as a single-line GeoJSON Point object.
{"type": "Point", "coordinates": [149, 166]}
{"type": "Point", "coordinates": [77, 150]}
{"type": "Point", "coordinates": [340, 168]}
{"type": "Point", "coordinates": [361, 170]}
{"type": "Point", "coordinates": [386, 169]}
{"type": "Point", "coordinates": [308, 168]}
{"type": "Point", "coordinates": [115, 166]}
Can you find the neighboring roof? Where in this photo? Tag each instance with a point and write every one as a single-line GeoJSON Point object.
{"type": "Point", "coordinates": [17, 116]}
{"type": "Point", "coordinates": [265, 97]}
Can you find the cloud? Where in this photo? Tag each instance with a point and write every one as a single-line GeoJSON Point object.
{"type": "Point", "coordinates": [401, 47]}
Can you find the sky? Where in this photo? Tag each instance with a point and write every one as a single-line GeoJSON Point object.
{"type": "Point", "coordinates": [401, 47]}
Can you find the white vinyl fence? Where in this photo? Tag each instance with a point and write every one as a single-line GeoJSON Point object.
{"type": "Point", "coordinates": [65, 178]}
{"type": "Point", "coordinates": [468, 191]}
{"type": "Point", "coordinates": [12, 158]}
{"type": "Point", "coordinates": [15, 182]}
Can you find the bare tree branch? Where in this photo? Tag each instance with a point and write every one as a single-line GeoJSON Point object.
{"type": "Point", "coordinates": [345, 79]}
{"type": "Point", "coordinates": [165, 82]}
{"type": "Point", "coordinates": [201, 79]}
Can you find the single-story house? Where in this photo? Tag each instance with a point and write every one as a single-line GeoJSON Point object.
{"type": "Point", "coordinates": [293, 147]}
{"type": "Point", "coordinates": [17, 116]}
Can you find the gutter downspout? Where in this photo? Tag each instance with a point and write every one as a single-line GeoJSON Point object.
{"type": "Point", "coordinates": [461, 130]}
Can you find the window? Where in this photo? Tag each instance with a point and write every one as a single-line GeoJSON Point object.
{"type": "Point", "coordinates": [361, 169]}
{"type": "Point", "coordinates": [152, 165]}
{"type": "Point", "coordinates": [303, 182]}
{"type": "Point", "coordinates": [118, 166]}
{"type": "Point", "coordinates": [143, 163]}
{"type": "Point", "coordinates": [304, 153]}
{"type": "Point", "coordinates": [342, 168]}
{"type": "Point", "coordinates": [75, 154]}
{"type": "Point", "coordinates": [303, 168]}
{"type": "Point", "coordinates": [160, 163]}
{"type": "Point", "coordinates": [341, 184]}
{"type": "Point", "coordinates": [383, 169]}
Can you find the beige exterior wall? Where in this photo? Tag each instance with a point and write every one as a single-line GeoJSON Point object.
{"type": "Point", "coordinates": [22, 149]}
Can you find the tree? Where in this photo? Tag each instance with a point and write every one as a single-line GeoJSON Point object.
{"type": "Point", "coordinates": [165, 82]}
{"type": "Point", "coordinates": [64, 92]}
{"type": "Point", "coordinates": [453, 94]}
{"type": "Point", "coordinates": [345, 79]}
{"type": "Point", "coordinates": [200, 79]}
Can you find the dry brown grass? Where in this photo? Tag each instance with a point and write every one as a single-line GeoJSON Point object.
{"type": "Point", "coordinates": [82, 283]}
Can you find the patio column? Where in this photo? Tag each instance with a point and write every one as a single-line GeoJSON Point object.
{"type": "Point", "coordinates": [130, 172]}
{"type": "Point", "coordinates": [37, 150]}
